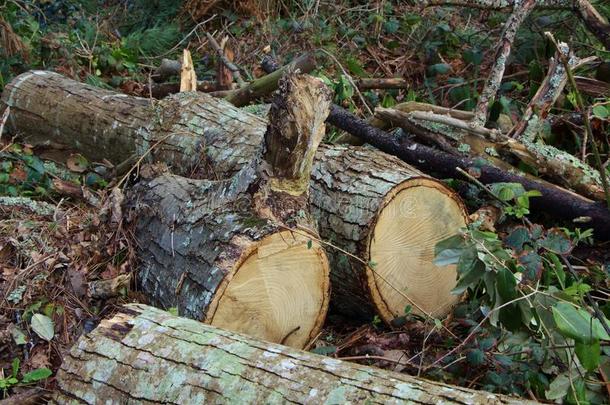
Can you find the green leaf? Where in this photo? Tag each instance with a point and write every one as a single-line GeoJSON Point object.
{"type": "Point", "coordinates": [557, 241]}
{"type": "Point", "coordinates": [439, 69]}
{"type": "Point", "coordinates": [474, 56]}
{"type": "Point", "coordinates": [517, 238]}
{"type": "Point", "coordinates": [558, 388]}
{"type": "Point", "coordinates": [448, 251]}
{"type": "Point", "coordinates": [577, 393]}
{"type": "Point", "coordinates": [15, 366]}
{"type": "Point", "coordinates": [18, 336]}
{"type": "Point", "coordinates": [43, 326]}
{"type": "Point", "coordinates": [475, 357]}
{"type": "Point", "coordinates": [506, 283]}
{"type": "Point", "coordinates": [578, 324]}
{"type": "Point", "coordinates": [589, 354]}
{"type": "Point", "coordinates": [447, 257]}
{"type": "Point", "coordinates": [325, 350]}
{"type": "Point", "coordinates": [35, 163]}
{"type": "Point", "coordinates": [36, 375]}
{"type": "Point", "coordinates": [532, 266]}
{"type": "Point", "coordinates": [470, 278]}
{"type": "Point", "coordinates": [309, 244]}
{"type": "Point", "coordinates": [600, 112]}
{"type": "Point", "coordinates": [354, 66]}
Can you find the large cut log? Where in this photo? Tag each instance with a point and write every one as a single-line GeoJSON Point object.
{"type": "Point", "coordinates": [144, 355]}
{"type": "Point", "coordinates": [367, 203]}
{"type": "Point", "coordinates": [224, 251]}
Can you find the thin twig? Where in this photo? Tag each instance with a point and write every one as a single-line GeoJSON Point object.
{"type": "Point", "coordinates": [230, 65]}
{"type": "Point", "coordinates": [587, 122]}
{"type": "Point", "coordinates": [351, 80]}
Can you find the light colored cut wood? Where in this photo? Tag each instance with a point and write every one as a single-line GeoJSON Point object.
{"type": "Point", "coordinates": [188, 78]}
{"type": "Point", "coordinates": [279, 293]}
{"type": "Point", "coordinates": [417, 214]}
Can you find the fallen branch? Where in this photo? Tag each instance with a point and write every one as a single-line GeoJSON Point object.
{"type": "Point", "coordinates": [266, 84]}
{"type": "Point", "coordinates": [554, 200]}
{"type": "Point", "coordinates": [230, 65]}
{"type": "Point", "coordinates": [494, 80]}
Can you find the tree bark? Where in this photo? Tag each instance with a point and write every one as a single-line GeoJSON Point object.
{"type": "Point", "coordinates": [555, 200]}
{"type": "Point", "coordinates": [224, 250]}
{"type": "Point", "coordinates": [205, 137]}
{"type": "Point", "coordinates": [144, 355]}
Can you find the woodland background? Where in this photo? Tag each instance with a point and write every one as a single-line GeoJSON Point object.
{"type": "Point", "coordinates": [554, 348]}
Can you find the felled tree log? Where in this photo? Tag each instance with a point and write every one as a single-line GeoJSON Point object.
{"type": "Point", "coordinates": [223, 251]}
{"type": "Point", "coordinates": [555, 200]}
{"type": "Point", "coordinates": [379, 209]}
{"type": "Point", "coordinates": [354, 188]}
{"type": "Point", "coordinates": [145, 355]}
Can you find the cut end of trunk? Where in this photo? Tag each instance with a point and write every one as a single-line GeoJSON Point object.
{"type": "Point", "coordinates": [278, 293]}
{"type": "Point", "coordinates": [416, 215]}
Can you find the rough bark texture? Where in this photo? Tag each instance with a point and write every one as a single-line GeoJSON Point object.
{"type": "Point", "coordinates": [47, 108]}
{"type": "Point", "coordinates": [349, 188]}
{"type": "Point", "coordinates": [195, 235]}
{"type": "Point", "coordinates": [554, 200]}
{"type": "Point", "coordinates": [144, 355]}
{"type": "Point", "coordinates": [214, 139]}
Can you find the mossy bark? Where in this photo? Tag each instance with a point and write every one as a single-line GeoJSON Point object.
{"type": "Point", "coordinates": [144, 355]}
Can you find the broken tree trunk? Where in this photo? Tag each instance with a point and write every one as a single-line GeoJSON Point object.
{"type": "Point", "coordinates": [359, 195]}
{"type": "Point", "coordinates": [223, 251]}
{"type": "Point", "coordinates": [145, 355]}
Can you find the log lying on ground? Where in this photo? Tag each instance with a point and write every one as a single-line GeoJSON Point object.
{"type": "Point", "coordinates": [369, 204]}
{"type": "Point", "coordinates": [555, 201]}
{"type": "Point", "coordinates": [223, 251]}
{"type": "Point", "coordinates": [146, 355]}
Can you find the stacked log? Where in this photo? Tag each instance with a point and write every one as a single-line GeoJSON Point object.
{"type": "Point", "coordinates": [383, 216]}
{"type": "Point", "coordinates": [226, 249]}
{"type": "Point", "coordinates": [144, 355]}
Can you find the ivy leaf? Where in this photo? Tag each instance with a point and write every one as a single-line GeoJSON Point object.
{"type": "Point", "coordinates": [532, 267]}
{"type": "Point", "coordinates": [578, 324]}
{"type": "Point", "coordinates": [600, 111]}
{"type": "Point", "coordinates": [43, 326]}
{"type": "Point", "coordinates": [557, 241]}
{"type": "Point", "coordinates": [589, 354]}
{"type": "Point", "coordinates": [36, 375]}
{"type": "Point", "coordinates": [475, 357]}
{"type": "Point", "coordinates": [558, 388]}
{"type": "Point", "coordinates": [517, 238]}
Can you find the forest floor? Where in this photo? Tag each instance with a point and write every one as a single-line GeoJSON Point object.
{"type": "Point", "coordinates": [54, 250]}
